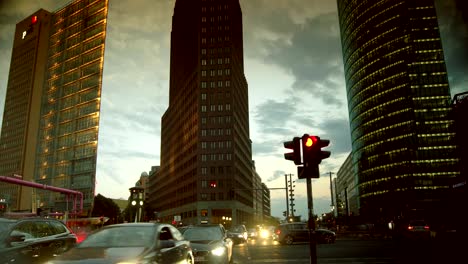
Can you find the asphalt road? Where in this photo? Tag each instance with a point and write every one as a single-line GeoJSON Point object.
{"type": "Point", "coordinates": [356, 251]}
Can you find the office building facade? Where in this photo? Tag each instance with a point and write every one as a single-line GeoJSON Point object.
{"type": "Point", "coordinates": [399, 105]}
{"type": "Point", "coordinates": [51, 117]}
{"type": "Point", "coordinates": [206, 160]}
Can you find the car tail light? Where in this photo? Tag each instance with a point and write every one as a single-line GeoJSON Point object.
{"type": "Point", "coordinates": [278, 231]}
{"type": "Point", "coordinates": [426, 227]}
{"type": "Point", "coordinates": [410, 227]}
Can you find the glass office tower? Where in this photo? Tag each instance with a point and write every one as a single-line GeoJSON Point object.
{"type": "Point", "coordinates": [206, 157]}
{"type": "Point", "coordinates": [53, 104]}
{"type": "Point", "coordinates": [399, 107]}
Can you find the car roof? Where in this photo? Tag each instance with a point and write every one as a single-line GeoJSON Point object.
{"type": "Point", "coordinates": [138, 224]}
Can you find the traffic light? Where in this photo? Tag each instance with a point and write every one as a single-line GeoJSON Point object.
{"type": "Point", "coordinates": [312, 153]}
{"type": "Point", "coordinates": [295, 145]}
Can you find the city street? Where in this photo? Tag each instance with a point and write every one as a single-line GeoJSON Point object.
{"type": "Point", "coordinates": [349, 251]}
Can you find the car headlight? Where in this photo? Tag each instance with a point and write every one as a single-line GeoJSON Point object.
{"type": "Point", "coordinates": [219, 251]}
{"type": "Point", "coordinates": [264, 233]}
{"type": "Point", "coordinates": [240, 236]}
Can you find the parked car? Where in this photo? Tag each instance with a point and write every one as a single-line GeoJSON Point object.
{"type": "Point", "coordinates": [298, 232]}
{"type": "Point", "coordinates": [131, 243]}
{"type": "Point", "coordinates": [33, 240]}
{"type": "Point", "coordinates": [238, 234]}
{"type": "Point", "coordinates": [210, 243]}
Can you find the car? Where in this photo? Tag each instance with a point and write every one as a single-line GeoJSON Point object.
{"type": "Point", "coordinates": [209, 242]}
{"type": "Point", "coordinates": [325, 236]}
{"type": "Point", "coordinates": [238, 234]}
{"type": "Point", "coordinates": [131, 243]}
{"type": "Point", "coordinates": [33, 239]}
{"type": "Point", "coordinates": [290, 233]}
{"type": "Point", "coordinates": [417, 229]}
{"type": "Point", "coordinates": [252, 233]}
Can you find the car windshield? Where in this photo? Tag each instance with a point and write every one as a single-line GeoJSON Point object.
{"type": "Point", "coordinates": [237, 229]}
{"type": "Point", "coordinates": [202, 233]}
{"type": "Point", "coordinates": [5, 225]}
{"type": "Point", "coordinates": [123, 236]}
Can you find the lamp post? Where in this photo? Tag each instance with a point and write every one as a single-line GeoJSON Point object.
{"type": "Point", "coordinates": [136, 200]}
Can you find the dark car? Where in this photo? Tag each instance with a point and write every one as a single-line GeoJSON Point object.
{"type": "Point", "coordinates": [131, 243]}
{"type": "Point", "coordinates": [417, 229]}
{"type": "Point", "coordinates": [238, 234]}
{"type": "Point", "coordinates": [299, 232]}
{"type": "Point", "coordinates": [209, 242]}
{"type": "Point", "coordinates": [33, 240]}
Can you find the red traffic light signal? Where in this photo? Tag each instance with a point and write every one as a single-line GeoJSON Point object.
{"type": "Point", "coordinates": [295, 146]}
{"type": "Point", "coordinates": [312, 153]}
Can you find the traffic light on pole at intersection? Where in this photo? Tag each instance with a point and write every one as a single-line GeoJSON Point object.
{"type": "Point", "coordinates": [295, 146]}
{"type": "Point", "coordinates": [312, 153]}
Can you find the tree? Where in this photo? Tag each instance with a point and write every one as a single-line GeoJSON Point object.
{"type": "Point", "coordinates": [106, 207]}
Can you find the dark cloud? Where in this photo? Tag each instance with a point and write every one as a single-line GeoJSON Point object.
{"type": "Point", "coordinates": [273, 116]}
{"type": "Point", "coordinates": [453, 22]}
{"type": "Point", "coordinates": [276, 175]}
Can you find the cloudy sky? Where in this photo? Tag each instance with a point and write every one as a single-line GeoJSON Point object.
{"type": "Point", "coordinates": [293, 66]}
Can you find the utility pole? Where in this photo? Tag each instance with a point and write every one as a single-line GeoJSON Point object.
{"type": "Point", "coordinates": [287, 195]}
{"type": "Point", "coordinates": [331, 193]}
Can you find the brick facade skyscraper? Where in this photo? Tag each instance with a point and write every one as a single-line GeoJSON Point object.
{"type": "Point", "coordinates": [206, 157]}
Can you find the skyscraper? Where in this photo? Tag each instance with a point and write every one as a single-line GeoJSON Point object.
{"type": "Point", "coordinates": [206, 157]}
{"type": "Point", "coordinates": [51, 117]}
{"type": "Point", "coordinates": [399, 103]}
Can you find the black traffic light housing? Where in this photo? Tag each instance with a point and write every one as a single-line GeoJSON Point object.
{"type": "Point", "coordinates": [295, 146]}
{"type": "Point", "coordinates": [312, 153]}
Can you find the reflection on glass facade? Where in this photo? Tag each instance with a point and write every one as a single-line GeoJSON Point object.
{"type": "Point", "coordinates": [64, 105]}
{"type": "Point", "coordinates": [68, 132]}
{"type": "Point", "coordinates": [399, 104]}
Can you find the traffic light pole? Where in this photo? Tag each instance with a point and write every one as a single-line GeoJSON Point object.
{"type": "Point", "coordinates": [311, 223]}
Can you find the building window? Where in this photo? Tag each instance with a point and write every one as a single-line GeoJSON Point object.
{"type": "Point", "coordinates": [203, 62]}
{"type": "Point", "coordinates": [220, 108]}
{"type": "Point", "coordinates": [227, 60]}
{"type": "Point", "coordinates": [220, 72]}
{"type": "Point", "coordinates": [220, 84]}
{"type": "Point", "coordinates": [203, 145]}
{"type": "Point", "coordinates": [227, 71]}
{"type": "Point", "coordinates": [213, 196]}
{"type": "Point", "coordinates": [204, 184]}
{"type": "Point", "coordinates": [203, 84]}
{"type": "Point", "coordinates": [203, 73]}
{"type": "Point", "coordinates": [203, 120]}
{"type": "Point", "coordinates": [228, 107]}
{"type": "Point", "coordinates": [213, 108]}
{"type": "Point", "coordinates": [204, 171]}
{"type": "Point", "coordinates": [203, 19]}
{"type": "Point", "coordinates": [229, 156]}
{"type": "Point", "coordinates": [204, 157]}
{"type": "Point", "coordinates": [212, 85]}
{"type": "Point", "coordinates": [213, 184]}
{"type": "Point", "coordinates": [220, 61]}
{"type": "Point", "coordinates": [203, 96]}
{"type": "Point", "coordinates": [203, 132]}
{"type": "Point", "coordinates": [228, 83]}
{"type": "Point", "coordinates": [204, 196]}
{"type": "Point", "coordinates": [203, 40]}
{"type": "Point", "coordinates": [212, 73]}
{"type": "Point", "coordinates": [203, 108]}
{"type": "Point", "coordinates": [204, 212]}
